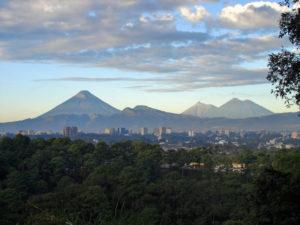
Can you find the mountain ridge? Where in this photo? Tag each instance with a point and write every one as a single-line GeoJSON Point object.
{"type": "Point", "coordinates": [143, 116]}
{"type": "Point", "coordinates": [234, 109]}
{"type": "Point", "coordinates": [274, 122]}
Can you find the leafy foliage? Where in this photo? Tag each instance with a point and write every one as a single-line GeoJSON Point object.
{"type": "Point", "coordinates": [284, 67]}
{"type": "Point", "coordinates": [59, 181]}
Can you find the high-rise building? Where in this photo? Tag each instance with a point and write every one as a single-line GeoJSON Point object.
{"type": "Point", "coordinates": [30, 132]}
{"type": "Point", "coordinates": [109, 131]}
{"type": "Point", "coordinates": [156, 131]}
{"type": "Point", "coordinates": [295, 135]}
{"type": "Point", "coordinates": [224, 131]}
{"type": "Point", "coordinates": [168, 130]}
{"type": "Point", "coordinates": [162, 131]}
{"type": "Point", "coordinates": [191, 133]}
{"type": "Point", "coordinates": [122, 131]}
{"type": "Point", "coordinates": [144, 131]}
{"type": "Point", "coordinates": [70, 131]}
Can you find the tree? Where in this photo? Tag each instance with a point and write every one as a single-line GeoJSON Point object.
{"type": "Point", "coordinates": [276, 199]}
{"type": "Point", "coordinates": [59, 181]}
{"type": "Point", "coordinates": [11, 206]}
{"type": "Point", "coordinates": [284, 67]}
{"type": "Point", "coordinates": [234, 222]}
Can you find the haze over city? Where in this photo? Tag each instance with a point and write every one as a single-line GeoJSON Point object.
{"type": "Point", "coordinates": [164, 54]}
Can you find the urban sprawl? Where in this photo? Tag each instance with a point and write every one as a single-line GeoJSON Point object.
{"type": "Point", "coordinates": [170, 139]}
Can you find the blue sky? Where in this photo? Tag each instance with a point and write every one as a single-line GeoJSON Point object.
{"type": "Point", "coordinates": [167, 54]}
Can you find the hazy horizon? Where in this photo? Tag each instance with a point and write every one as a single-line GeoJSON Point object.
{"type": "Point", "coordinates": [177, 112]}
{"type": "Point", "coordinates": [164, 54]}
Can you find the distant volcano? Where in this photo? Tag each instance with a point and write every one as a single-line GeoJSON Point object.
{"type": "Point", "coordinates": [234, 109]}
{"type": "Point", "coordinates": [90, 114]}
{"type": "Point", "coordinates": [84, 103]}
{"type": "Point", "coordinates": [201, 110]}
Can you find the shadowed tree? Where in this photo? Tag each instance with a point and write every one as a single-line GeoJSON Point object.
{"type": "Point", "coordinates": [276, 199]}
{"type": "Point", "coordinates": [284, 66]}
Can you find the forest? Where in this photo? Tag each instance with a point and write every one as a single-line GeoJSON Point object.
{"type": "Point", "coordinates": [60, 181]}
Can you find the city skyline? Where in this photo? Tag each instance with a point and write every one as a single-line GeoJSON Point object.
{"type": "Point", "coordinates": [164, 54]}
{"type": "Point", "coordinates": [170, 139]}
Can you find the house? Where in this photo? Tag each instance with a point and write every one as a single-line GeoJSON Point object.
{"type": "Point", "coordinates": [196, 165]}
{"type": "Point", "coordinates": [238, 167]}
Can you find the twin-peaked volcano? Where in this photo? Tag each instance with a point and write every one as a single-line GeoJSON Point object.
{"type": "Point", "coordinates": [234, 109]}
{"type": "Point", "coordinates": [84, 103]}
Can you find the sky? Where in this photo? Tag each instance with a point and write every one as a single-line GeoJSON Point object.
{"type": "Point", "coordinates": [166, 54]}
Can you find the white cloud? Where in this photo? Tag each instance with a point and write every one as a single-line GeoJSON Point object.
{"type": "Point", "coordinates": [254, 15]}
{"type": "Point", "coordinates": [157, 17]}
{"type": "Point", "coordinates": [199, 13]}
{"type": "Point", "coordinates": [164, 17]}
{"type": "Point", "coordinates": [135, 35]}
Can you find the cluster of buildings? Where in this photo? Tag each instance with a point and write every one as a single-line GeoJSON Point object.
{"type": "Point", "coordinates": [66, 132]}
{"type": "Point", "coordinates": [32, 132]}
{"type": "Point", "coordinates": [219, 168]}
{"type": "Point", "coordinates": [73, 131]}
{"type": "Point", "coordinates": [232, 139]}
{"type": "Point", "coordinates": [161, 131]}
{"type": "Point", "coordinates": [116, 131]}
{"type": "Point", "coordinates": [70, 132]}
{"type": "Point", "coordinates": [169, 139]}
{"type": "Point", "coordinates": [158, 132]}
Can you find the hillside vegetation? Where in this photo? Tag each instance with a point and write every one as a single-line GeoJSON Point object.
{"type": "Point", "coordinates": [59, 181]}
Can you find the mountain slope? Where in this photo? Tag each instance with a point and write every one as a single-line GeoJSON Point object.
{"type": "Point", "coordinates": [233, 109]}
{"type": "Point", "coordinates": [151, 118]}
{"type": "Point", "coordinates": [84, 103]}
{"type": "Point", "coordinates": [90, 114]}
{"type": "Point", "coordinates": [238, 109]}
{"type": "Point", "coordinates": [201, 110]}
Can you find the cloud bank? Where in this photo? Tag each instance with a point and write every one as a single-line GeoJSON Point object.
{"type": "Point", "coordinates": [252, 16]}
{"type": "Point", "coordinates": [184, 45]}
